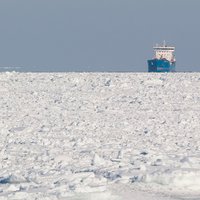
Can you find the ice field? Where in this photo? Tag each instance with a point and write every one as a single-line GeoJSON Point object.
{"type": "Point", "coordinates": [101, 136]}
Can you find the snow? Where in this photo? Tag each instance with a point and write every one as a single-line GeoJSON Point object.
{"type": "Point", "coordinates": [99, 136]}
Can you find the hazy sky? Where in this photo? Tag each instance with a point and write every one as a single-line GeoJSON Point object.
{"type": "Point", "coordinates": [97, 35]}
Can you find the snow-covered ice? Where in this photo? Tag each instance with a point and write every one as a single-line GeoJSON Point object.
{"type": "Point", "coordinates": [100, 136]}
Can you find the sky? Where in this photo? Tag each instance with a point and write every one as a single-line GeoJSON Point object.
{"type": "Point", "coordinates": [97, 35]}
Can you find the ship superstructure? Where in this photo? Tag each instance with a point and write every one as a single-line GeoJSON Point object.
{"type": "Point", "coordinates": [164, 60]}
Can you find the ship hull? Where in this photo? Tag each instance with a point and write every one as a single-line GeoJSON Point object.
{"type": "Point", "coordinates": [160, 65]}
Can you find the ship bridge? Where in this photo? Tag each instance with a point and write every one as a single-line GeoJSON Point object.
{"type": "Point", "coordinates": [164, 52]}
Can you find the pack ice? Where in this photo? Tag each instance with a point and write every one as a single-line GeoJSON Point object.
{"type": "Point", "coordinates": [99, 136]}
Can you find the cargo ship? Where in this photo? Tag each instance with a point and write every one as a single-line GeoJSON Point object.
{"type": "Point", "coordinates": [164, 60]}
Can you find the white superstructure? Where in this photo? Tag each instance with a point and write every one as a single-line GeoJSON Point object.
{"type": "Point", "coordinates": [164, 51]}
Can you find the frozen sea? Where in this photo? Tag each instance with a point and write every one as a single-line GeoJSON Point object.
{"type": "Point", "coordinates": [100, 136]}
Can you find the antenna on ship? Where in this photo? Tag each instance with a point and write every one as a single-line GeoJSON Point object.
{"type": "Point", "coordinates": [164, 43]}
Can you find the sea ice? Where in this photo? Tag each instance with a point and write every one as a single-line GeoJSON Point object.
{"type": "Point", "coordinates": [100, 136]}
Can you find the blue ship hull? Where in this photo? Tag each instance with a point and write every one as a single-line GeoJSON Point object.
{"type": "Point", "coordinates": [161, 65]}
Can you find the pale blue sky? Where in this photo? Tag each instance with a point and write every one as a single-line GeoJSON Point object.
{"type": "Point", "coordinates": [97, 35]}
